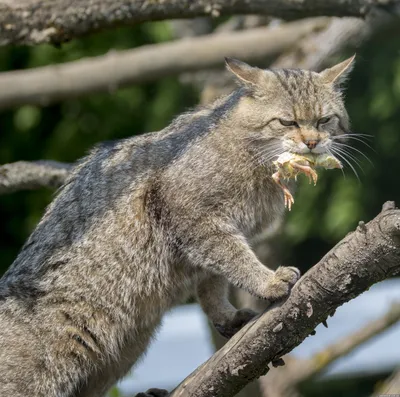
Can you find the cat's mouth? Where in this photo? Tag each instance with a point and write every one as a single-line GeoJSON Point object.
{"type": "Point", "coordinates": [289, 165]}
{"type": "Point", "coordinates": [308, 146]}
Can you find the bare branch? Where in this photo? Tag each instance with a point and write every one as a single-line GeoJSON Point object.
{"type": "Point", "coordinates": [361, 259]}
{"type": "Point", "coordinates": [285, 380]}
{"type": "Point", "coordinates": [24, 175]}
{"type": "Point", "coordinates": [48, 84]}
{"type": "Point", "coordinates": [391, 387]}
{"type": "Point", "coordinates": [315, 50]}
{"type": "Point", "coordinates": [56, 21]}
{"type": "Point", "coordinates": [327, 356]}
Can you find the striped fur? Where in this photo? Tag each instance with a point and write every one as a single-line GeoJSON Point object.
{"type": "Point", "coordinates": [146, 222]}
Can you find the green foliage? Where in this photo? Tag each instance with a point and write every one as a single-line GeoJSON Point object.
{"type": "Point", "coordinates": [321, 215]}
{"type": "Point", "coordinates": [324, 214]}
{"type": "Point", "coordinates": [65, 132]}
{"type": "Point", "coordinates": [114, 392]}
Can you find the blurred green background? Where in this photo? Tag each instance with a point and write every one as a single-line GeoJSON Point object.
{"type": "Point", "coordinates": [321, 216]}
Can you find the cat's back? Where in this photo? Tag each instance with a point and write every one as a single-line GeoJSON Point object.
{"type": "Point", "coordinates": [102, 191]}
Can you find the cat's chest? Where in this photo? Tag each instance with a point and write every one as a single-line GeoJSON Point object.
{"type": "Point", "coordinates": [261, 209]}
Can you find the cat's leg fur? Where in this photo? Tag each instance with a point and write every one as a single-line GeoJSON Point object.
{"type": "Point", "coordinates": [213, 297]}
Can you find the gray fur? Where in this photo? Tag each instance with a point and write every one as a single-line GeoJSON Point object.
{"type": "Point", "coordinates": [143, 223]}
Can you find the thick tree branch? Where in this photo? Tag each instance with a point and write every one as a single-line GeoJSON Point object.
{"type": "Point", "coordinates": [364, 257]}
{"type": "Point", "coordinates": [43, 21]}
{"type": "Point", "coordinates": [116, 69]}
{"type": "Point", "coordinates": [284, 381]}
{"type": "Point", "coordinates": [24, 175]}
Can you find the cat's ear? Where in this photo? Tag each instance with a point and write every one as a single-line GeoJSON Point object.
{"type": "Point", "coordinates": [246, 74]}
{"type": "Point", "coordinates": [337, 74]}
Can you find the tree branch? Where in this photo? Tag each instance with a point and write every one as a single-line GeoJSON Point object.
{"type": "Point", "coordinates": [344, 346]}
{"type": "Point", "coordinates": [364, 257]}
{"type": "Point", "coordinates": [391, 387]}
{"type": "Point", "coordinates": [284, 381]}
{"type": "Point", "coordinates": [314, 51]}
{"type": "Point", "coordinates": [24, 175]}
{"type": "Point", "coordinates": [48, 84]}
{"type": "Point", "coordinates": [56, 21]}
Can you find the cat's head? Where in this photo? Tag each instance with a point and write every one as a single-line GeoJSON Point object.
{"type": "Point", "coordinates": [294, 110]}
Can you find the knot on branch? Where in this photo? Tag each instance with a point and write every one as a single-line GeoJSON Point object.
{"type": "Point", "coordinates": [389, 205]}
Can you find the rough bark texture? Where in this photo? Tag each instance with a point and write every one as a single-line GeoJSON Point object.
{"type": "Point", "coordinates": [56, 21]}
{"type": "Point", "coordinates": [49, 84]}
{"type": "Point", "coordinates": [284, 381]}
{"type": "Point", "coordinates": [364, 257]}
{"type": "Point", "coordinates": [24, 175]}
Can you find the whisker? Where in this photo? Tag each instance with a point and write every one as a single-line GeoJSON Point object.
{"type": "Point", "coordinates": [264, 161]}
{"type": "Point", "coordinates": [259, 152]}
{"type": "Point", "coordinates": [358, 140]}
{"type": "Point", "coordinates": [367, 136]}
{"type": "Point", "coordinates": [259, 159]}
{"type": "Point", "coordinates": [271, 151]}
{"type": "Point", "coordinates": [347, 161]}
{"type": "Point", "coordinates": [356, 150]}
{"type": "Point", "coordinates": [268, 160]}
{"type": "Point", "coordinates": [341, 169]}
{"type": "Point", "coordinates": [351, 157]}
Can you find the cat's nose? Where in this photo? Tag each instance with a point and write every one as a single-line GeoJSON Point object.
{"type": "Point", "coordinates": [311, 143]}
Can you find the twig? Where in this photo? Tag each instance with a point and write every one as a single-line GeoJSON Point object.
{"type": "Point", "coordinates": [49, 84]}
{"type": "Point", "coordinates": [361, 259]}
{"type": "Point", "coordinates": [325, 357]}
{"type": "Point", "coordinates": [24, 175]}
{"type": "Point", "coordinates": [56, 21]}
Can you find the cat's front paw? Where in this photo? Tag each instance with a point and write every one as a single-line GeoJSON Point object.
{"type": "Point", "coordinates": [240, 319]}
{"type": "Point", "coordinates": [154, 393]}
{"type": "Point", "coordinates": [281, 283]}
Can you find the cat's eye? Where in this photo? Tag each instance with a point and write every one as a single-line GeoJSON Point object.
{"type": "Point", "coordinates": [324, 120]}
{"type": "Point", "coordinates": [288, 123]}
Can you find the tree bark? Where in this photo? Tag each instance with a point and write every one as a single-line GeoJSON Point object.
{"type": "Point", "coordinates": [369, 254]}
{"type": "Point", "coordinates": [57, 21]}
{"type": "Point", "coordinates": [24, 175]}
{"type": "Point", "coordinates": [284, 381]}
{"type": "Point", "coordinates": [49, 84]}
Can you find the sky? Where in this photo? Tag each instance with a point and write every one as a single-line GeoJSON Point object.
{"type": "Point", "coordinates": [184, 342]}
